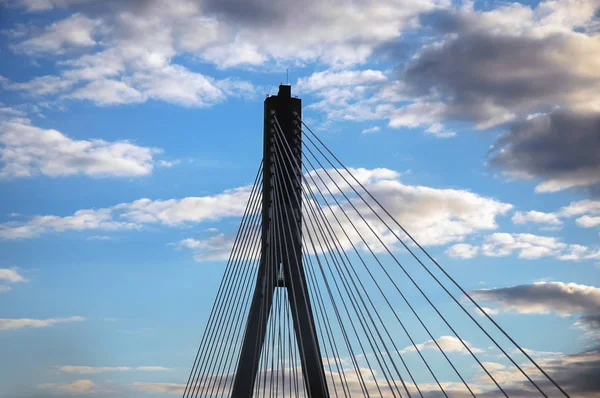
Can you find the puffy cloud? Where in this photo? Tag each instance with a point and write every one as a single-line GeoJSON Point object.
{"type": "Point", "coordinates": [587, 210]}
{"type": "Point", "coordinates": [74, 387]}
{"type": "Point", "coordinates": [215, 248]}
{"type": "Point", "coordinates": [492, 366]}
{"type": "Point", "coordinates": [545, 95]}
{"type": "Point", "coordinates": [129, 60]}
{"type": "Point", "coordinates": [133, 61]}
{"type": "Point", "coordinates": [10, 276]}
{"type": "Point", "coordinates": [87, 219]}
{"type": "Point", "coordinates": [588, 221]}
{"type": "Point", "coordinates": [536, 217]}
{"type": "Point", "coordinates": [447, 343]}
{"type": "Point", "coordinates": [11, 324]}
{"type": "Point", "coordinates": [229, 203]}
{"type": "Point", "coordinates": [107, 92]}
{"type": "Point", "coordinates": [579, 252]}
{"type": "Point", "coordinates": [327, 79]}
{"type": "Point", "coordinates": [75, 31]}
{"type": "Point", "coordinates": [590, 210]}
{"type": "Point", "coordinates": [581, 207]}
{"type": "Point", "coordinates": [433, 216]}
{"type": "Point", "coordinates": [41, 85]}
{"type": "Point", "coordinates": [531, 246]}
{"type": "Point", "coordinates": [462, 250]}
{"type": "Point", "coordinates": [336, 33]}
{"type": "Point", "coordinates": [26, 150]}
{"type": "Point", "coordinates": [133, 215]}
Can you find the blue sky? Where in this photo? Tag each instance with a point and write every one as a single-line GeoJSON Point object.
{"type": "Point", "coordinates": [131, 131]}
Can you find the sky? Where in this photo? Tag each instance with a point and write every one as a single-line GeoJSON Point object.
{"type": "Point", "coordinates": [131, 131]}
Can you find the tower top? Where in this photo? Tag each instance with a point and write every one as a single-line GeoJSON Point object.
{"type": "Point", "coordinates": [285, 90]}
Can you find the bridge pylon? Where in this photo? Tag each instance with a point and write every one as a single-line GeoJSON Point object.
{"type": "Point", "coordinates": [281, 265]}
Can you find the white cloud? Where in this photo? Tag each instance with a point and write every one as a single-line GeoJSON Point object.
{"type": "Point", "coordinates": [218, 32]}
{"type": "Point", "coordinates": [104, 369]}
{"type": "Point", "coordinates": [230, 203]}
{"type": "Point", "coordinates": [331, 78]}
{"type": "Point", "coordinates": [176, 84]}
{"type": "Point", "coordinates": [219, 246]}
{"type": "Point", "coordinates": [134, 215]}
{"type": "Point", "coordinates": [41, 85]}
{"type": "Point", "coordinates": [437, 129]}
{"type": "Point", "coordinates": [486, 310]}
{"type": "Point", "coordinates": [581, 207]}
{"type": "Point", "coordinates": [536, 217]}
{"type": "Point", "coordinates": [433, 216]}
{"type": "Point", "coordinates": [74, 387]}
{"type": "Point", "coordinates": [447, 343]}
{"type": "Point", "coordinates": [108, 92]}
{"type": "Point", "coordinates": [11, 324]}
{"type": "Point", "coordinates": [75, 31]}
{"type": "Point", "coordinates": [88, 219]}
{"type": "Point", "coordinates": [167, 163]}
{"type": "Point", "coordinates": [370, 130]}
{"type": "Point", "coordinates": [215, 248]}
{"type": "Point", "coordinates": [44, 5]}
{"type": "Point", "coordinates": [529, 246]}
{"type": "Point", "coordinates": [492, 366]}
{"type": "Point", "coordinates": [152, 368]}
{"type": "Point", "coordinates": [588, 210]}
{"type": "Point", "coordinates": [588, 221]}
{"type": "Point", "coordinates": [171, 388]}
{"type": "Point", "coordinates": [462, 250]}
{"type": "Point", "coordinates": [27, 150]}
{"type": "Point", "coordinates": [98, 237]}
{"type": "Point", "coordinates": [579, 252]}
{"type": "Point", "coordinates": [11, 275]}
{"type": "Point", "coordinates": [123, 58]}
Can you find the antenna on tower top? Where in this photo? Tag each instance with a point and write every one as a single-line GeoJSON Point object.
{"type": "Point", "coordinates": [287, 76]}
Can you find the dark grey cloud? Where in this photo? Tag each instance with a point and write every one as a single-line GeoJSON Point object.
{"type": "Point", "coordinates": [480, 68]}
{"type": "Point", "coordinates": [576, 373]}
{"type": "Point", "coordinates": [561, 148]}
{"type": "Point", "coordinates": [542, 297]}
{"type": "Point", "coordinates": [254, 12]}
{"type": "Point", "coordinates": [501, 69]}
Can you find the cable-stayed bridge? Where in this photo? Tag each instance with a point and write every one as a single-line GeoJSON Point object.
{"type": "Point", "coordinates": [326, 294]}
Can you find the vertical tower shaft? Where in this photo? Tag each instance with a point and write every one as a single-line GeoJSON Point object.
{"type": "Point", "coordinates": [286, 207]}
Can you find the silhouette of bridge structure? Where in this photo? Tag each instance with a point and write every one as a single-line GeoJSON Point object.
{"type": "Point", "coordinates": [326, 294]}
